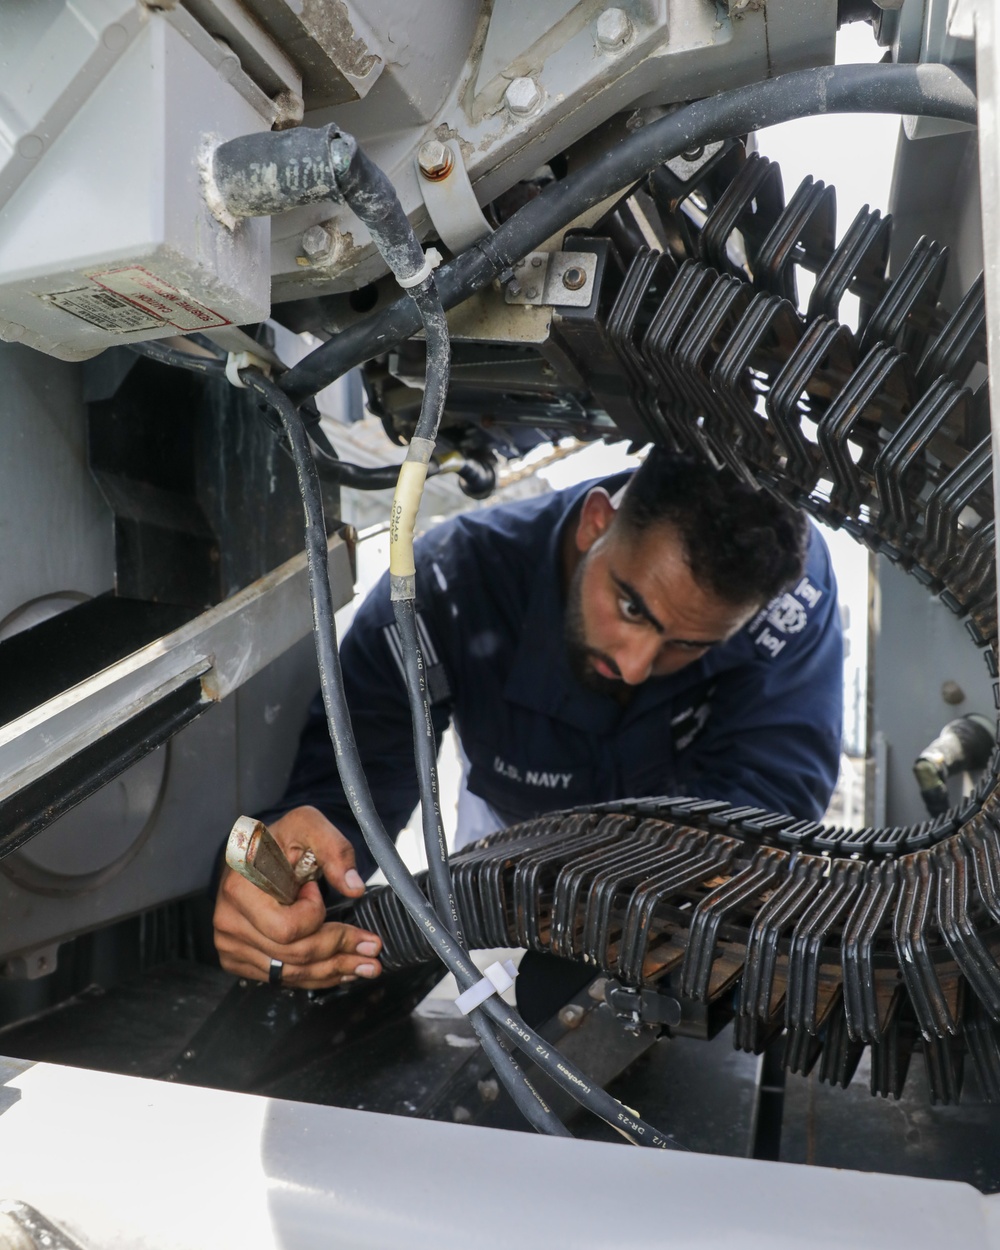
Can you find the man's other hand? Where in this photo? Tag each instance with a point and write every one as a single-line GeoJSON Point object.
{"type": "Point", "coordinates": [251, 928]}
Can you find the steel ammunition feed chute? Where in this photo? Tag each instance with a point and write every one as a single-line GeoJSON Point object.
{"type": "Point", "coordinates": [839, 938]}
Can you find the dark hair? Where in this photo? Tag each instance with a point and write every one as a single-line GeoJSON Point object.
{"type": "Point", "coordinates": [741, 544]}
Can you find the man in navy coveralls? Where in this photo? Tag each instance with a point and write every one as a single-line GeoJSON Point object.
{"type": "Point", "coordinates": [672, 632]}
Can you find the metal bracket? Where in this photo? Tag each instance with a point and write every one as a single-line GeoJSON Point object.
{"type": "Point", "coordinates": [637, 1007]}
{"type": "Point", "coordinates": [560, 279]}
{"type": "Point", "coordinates": [452, 204]}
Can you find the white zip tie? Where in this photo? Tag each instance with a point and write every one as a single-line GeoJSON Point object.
{"type": "Point", "coordinates": [432, 258]}
{"type": "Point", "coordinates": [236, 361]}
{"type": "Point", "coordinates": [496, 978]}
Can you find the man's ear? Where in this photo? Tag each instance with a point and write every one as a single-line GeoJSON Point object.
{"type": "Point", "coordinates": [596, 516]}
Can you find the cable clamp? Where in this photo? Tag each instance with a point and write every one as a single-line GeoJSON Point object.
{"type": "Point", "coordinates": [236, 361]}
{"type": "Point", "coordinates": [432, 258]}
{"type": "Point", "coordinates": [496, 978]}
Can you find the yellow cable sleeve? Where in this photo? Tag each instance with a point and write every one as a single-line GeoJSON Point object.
{"type": "Point", "coordinates": [403, 517]}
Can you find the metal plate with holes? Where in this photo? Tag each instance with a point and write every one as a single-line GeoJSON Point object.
{"type": "Point", "coordinates": [558, 278]}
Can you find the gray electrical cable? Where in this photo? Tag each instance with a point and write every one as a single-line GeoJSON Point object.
{"type": "Point", "coordinates": [924, 90]}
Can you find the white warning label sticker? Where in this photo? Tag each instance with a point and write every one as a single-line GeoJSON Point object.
{"type": "Point", "coordinates": [104, 309]}
{"type": "Point", "coordinates": [158, 298]}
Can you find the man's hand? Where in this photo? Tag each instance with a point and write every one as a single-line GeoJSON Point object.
{"type": "Point", "coordinates": [251, 928]}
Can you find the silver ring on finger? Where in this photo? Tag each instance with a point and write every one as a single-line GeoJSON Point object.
{"type": "Point", "coordinates": [275, 971]}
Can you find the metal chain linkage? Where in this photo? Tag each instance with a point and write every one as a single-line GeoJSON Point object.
{"type": "Point", "coordinates": [840, 939]}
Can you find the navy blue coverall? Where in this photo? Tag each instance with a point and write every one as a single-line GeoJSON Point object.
{"type": "Point", "coordinates": [757, 720]}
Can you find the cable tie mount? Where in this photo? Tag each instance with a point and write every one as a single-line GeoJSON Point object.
{"type": "Point", "coordinates": [496, 978]}
{"type": "Point", "coordinates": [236, 361]}
{"type": "Point", "coordinates": [432, 258]}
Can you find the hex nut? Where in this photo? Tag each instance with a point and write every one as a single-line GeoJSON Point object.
{"type": "Point", "coordinates": [435, 159]}
{"type": "Point", "coordinates": [318, 243]}
{"type": "Point", "coordinates": [571, 1016]}
{"type": "Point", "coordinates": [522, 96]}
{"type": "Point", "coordinates": [614, 29]}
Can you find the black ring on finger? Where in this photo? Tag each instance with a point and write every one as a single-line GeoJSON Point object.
{"type": "Point", "coordinates": [275, 971]}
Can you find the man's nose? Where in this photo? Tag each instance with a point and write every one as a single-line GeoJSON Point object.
{"type": "Point", "coordinates": [635, 659]}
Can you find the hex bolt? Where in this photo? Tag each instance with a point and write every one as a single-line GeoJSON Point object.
{"type": "Point", "coordinates": [536, 262]}
{"type": "Point", "coordinates": [522, 96]}
{"type": "Point", "coordinates": [531, 292]}
{"type": "Point", "coordinates": [435, 160]}
{"type": "Point", "coordinates": [574, 278]}
{"type": "Point", "coordinates": [489, 1090]}
{"type": "Point", "coordinates": [597, 989]}
{"type": "Point", "coordinates": [571, 1016]}
{"type": "Point", "coordinates": [614, 29]}
{"type": "Point", "coordinates": [289, 110]}
{"type": "Point", "coordinates": [317, 243]}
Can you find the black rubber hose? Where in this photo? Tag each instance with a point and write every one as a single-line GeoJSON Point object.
{"type": "Point", "coordinates": [372, 198]}
{"type": "Point", "coordinates": [561, 1070]}
{"type": "Point", "coordinates": [361, 477]}
{"type": "Point", "coordinates": [925, 90]}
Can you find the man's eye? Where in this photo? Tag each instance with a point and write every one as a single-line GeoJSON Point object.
{"type": "Point", "coordinates": [630, 609]}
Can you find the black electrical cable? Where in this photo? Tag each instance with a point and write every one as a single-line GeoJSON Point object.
{"type": "Point", "coordinates": [355, 784]}
{"type": "Point", "coordinates": [210, 366]}
{"type": "Point", "coordinates": [367, 190]}
{"type": "Point", "coordinates": [538, 1114]}
{"type": "Point", "coordinates": [924, 90]}
{"type": "Point", "coordinates": [425, 753]}
{"type": "Point", "coordinates": [373, 198]}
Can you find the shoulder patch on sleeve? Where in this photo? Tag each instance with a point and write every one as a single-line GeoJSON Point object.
{"type": "Point", "coordinates": [786, 615]}
{"type": "Point", "coordinates": [438, 689]}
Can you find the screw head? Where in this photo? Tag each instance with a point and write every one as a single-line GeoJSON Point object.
{"type": "Point", "coordinates": [531, 292]}
{"type": "Point", "coordinates": [574, 278]}
{"type": "Point", "coordinates": [522, 96]}
{"type": "Point", "coordinates": [317, 243]}
{"type": "Point", "coordinates": [435, 159]}
{"type": "Point", "coordinates": [614, 29]}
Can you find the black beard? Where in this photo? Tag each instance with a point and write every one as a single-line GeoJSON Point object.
{"type": "Point", "coordinates": [577, 652]}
